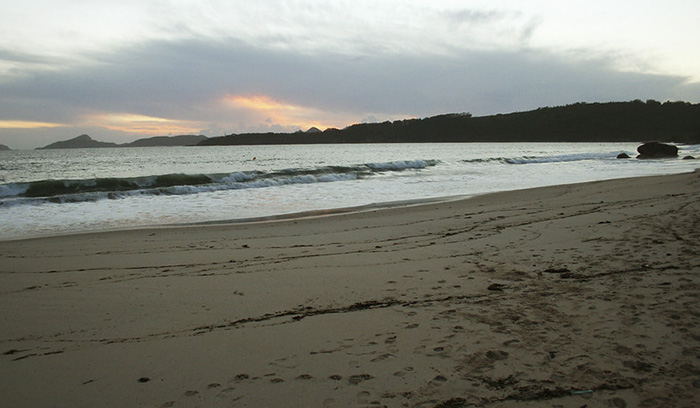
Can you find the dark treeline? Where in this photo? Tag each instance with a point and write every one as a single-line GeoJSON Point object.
{"type": "Point", "coordinates": [635, 121]}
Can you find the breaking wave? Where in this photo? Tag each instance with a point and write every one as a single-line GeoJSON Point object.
{"type": "Point", "coordinates": [70, 191]}
{"type": "Point", "coordinates": [563, 158]}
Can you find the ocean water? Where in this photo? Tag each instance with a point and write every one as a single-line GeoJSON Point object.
{"type": "Point", "coordinates": [52, 192]}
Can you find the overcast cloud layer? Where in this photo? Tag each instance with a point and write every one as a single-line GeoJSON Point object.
{"type": "Point", "coordinates": [220, 68]}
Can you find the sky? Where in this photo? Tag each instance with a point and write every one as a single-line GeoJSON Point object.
{"type": "Point", "coordinates": [120, 70]}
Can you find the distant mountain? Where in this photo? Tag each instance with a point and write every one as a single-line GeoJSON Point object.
{"type": "Point", "coordinates": [85, 141]}
{"type": "Point", "coordinates": [634, 121]}
{"type": "Point", "coordinates": [80, 142]}
{"type": "Point", "coordinates": [182, 140]}
{"type": "Point", "coordinates": [3, 147]}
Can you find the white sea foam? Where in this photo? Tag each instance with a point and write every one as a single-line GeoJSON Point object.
{"type": "Point", "coordinates": [561, 158]}
{"type": "Point", "coordinates": [12, 189]}
{"type": "Point", "coordinates": [238, 177]}
{"type": "Point", "coordinates": [399, 165]}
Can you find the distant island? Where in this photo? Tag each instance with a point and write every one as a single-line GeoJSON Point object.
{"type": "Point", "coordinates": [634, 121]}
{"type": "Point", "coordinates": [3, 147]}
{"type": "Point", "coordinates": [85, 141]}
{"type": "Point", "coordinates": [80, 142]}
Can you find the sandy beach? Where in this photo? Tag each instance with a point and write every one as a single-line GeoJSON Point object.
{"type": "Point", "coordinates": [566, 296]}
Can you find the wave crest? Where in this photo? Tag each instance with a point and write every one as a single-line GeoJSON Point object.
{"type": "Point", "coordinates": [66, 191]}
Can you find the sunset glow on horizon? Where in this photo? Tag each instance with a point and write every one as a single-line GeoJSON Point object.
{"type": "Point", "coordinates": [21, 124]}
{"type": "Point", "coordinates": [141, 124]}
{"type": "Point", "coordinates": [279, 112]}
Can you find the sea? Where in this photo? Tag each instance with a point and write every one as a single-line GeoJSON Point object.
{"type": "Point", "coordinates": [57, 192]}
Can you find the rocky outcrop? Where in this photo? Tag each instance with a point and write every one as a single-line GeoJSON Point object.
{"type": "Point", "coordinates": [656, 150]}
{"type": "Point", "coordinates": [623, 156]}
{"type": "Point", "coordinates": [3, 147]}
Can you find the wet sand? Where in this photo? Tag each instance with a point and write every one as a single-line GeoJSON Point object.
{"type": "Point", "coordinates": [585, 294]}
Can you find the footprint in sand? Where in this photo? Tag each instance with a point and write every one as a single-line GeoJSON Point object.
{"type": "Point", "coordinates": [403, 372]}
{"type": "Point", "coordinates": [225, 392]}
{"type": "Point", "coordinates": [437, 381]}
{"type": "Point", "coordinates": [356, 379]}
{"type": "Point", "coordinates": [241, 377]}
{"type": "Point", "coordinates": [439, 351]}
{"type": "Point", "coordinates": [496, 355]}
{"type": "Point", "coordinates": [363, 397]}
{"type": "Point", "coordinates": [382, 357]}
{"type": "Point", "coordinates": [618, 402]}
{"type": "Point", "coordinates": [282, 362]}
{"type": "Point", "coordinates": [427, 404]}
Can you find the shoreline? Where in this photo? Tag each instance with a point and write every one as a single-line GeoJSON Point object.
{"type": "Point", "coordinates": [264, 219]}
{"type": "Point", "coordinates": [330, 212]}
{"type": "Point", "coordinates": [573, 294]}
{"type": "Point", "coordinates": [383, 175]}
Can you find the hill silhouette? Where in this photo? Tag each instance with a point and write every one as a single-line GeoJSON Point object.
{"type": "Point", "coordinates": [79, 142]}
{"type": "Point", "coordinates": [85, 141]}
{"type": "Point", "coordinates": [182, 140]}
{"type": "Point", "coordinates": [634, 121]}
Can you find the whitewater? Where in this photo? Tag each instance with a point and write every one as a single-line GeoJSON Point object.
{"type": "Point", "coordinates": [54, 192]}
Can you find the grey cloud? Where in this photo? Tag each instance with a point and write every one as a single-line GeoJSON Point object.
{"type": "Point", "coordinates": [471, 17]}
{"type": "Point", "coordinates": [11, 56]}
{"type": "Point", "coordinates": [492, 28]}
{"type": "Point", "coordinates": [181, 79]}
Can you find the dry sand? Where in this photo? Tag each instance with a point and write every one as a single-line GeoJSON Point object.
{"type": "Point", "coordinates": [571, 296]}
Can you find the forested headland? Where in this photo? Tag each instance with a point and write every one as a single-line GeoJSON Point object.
{"type": "Point", "coordinates": [635, 121]}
